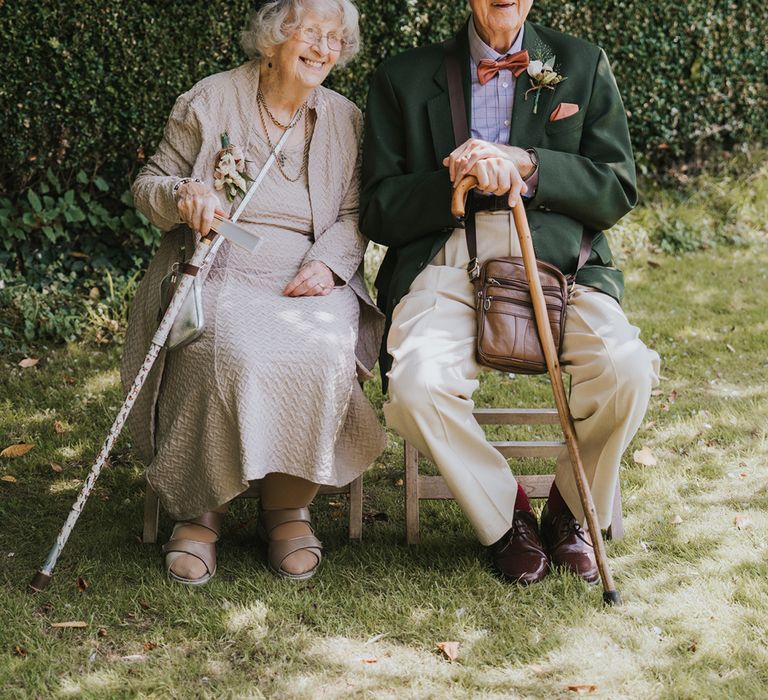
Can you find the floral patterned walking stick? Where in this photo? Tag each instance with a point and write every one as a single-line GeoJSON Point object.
{"type": "Point", "coordinates": [204, 254]}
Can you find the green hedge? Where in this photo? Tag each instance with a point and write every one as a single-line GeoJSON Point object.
{"type": "Point", "coordinates": [86, 88]}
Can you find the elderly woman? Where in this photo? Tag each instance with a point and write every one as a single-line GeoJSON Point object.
{"type": "Point", "coordinates": [270, 391]}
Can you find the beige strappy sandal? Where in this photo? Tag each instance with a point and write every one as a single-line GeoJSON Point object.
{"type": "Point", "coordinates": [204, 551]}
{"type": "Point", "coordinates": [279, 550]}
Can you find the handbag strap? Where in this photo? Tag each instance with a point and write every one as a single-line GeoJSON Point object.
{"type": "Point", "coordinates": [460, 135]}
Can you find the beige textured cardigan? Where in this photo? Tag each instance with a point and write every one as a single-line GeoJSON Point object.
{"type": "Point", "coordinates": [226, 102]}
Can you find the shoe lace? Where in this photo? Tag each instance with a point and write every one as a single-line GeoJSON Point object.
{"type": "Point", "coordinates": [570, 526]}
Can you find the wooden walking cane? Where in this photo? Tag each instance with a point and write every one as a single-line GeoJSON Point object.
{"type": "Point", "coordinates": [205, 252]}
{"type": "Point", "coordinates": [610, 594]}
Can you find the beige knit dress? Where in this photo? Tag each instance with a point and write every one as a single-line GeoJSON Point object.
{"type": "Point", "coordinates": [271, 384]}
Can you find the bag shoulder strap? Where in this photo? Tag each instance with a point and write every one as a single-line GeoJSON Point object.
{"type": "Point", "coordinates": [460, 135]}
{"type": "Point", "coordinates": [456, 91]}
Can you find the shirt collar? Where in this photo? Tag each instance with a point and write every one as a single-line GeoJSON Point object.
{"type": "Point", "coordinates": [479, 50]}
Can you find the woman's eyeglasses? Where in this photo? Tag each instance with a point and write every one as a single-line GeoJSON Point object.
{"type": "Point", "coordinates": [314, 37]}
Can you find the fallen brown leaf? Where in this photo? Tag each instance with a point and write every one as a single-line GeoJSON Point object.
{"type": "Point", "coordinates": [76, 624]}
{"type": "Point", "coordinates": [67, 379]}
{"type": "Point", "coordinates": [144, 605]}
{"type": "Point", "coordinates": [644, 457]}
{"type": "Point", "coordinates": [28, 362]}
{"type": "Point", "coordinates": [149, 646]}
{"type": "Point", "coordinates": [10, 479]}
{"type": "Point", "coordinates": [449, 649]}
{"type": "Point", "coordinates": [58, 427]}
{"type": "Point", "coordinates": [672, 396]}
{"type": "Point", "coordinates": [102, 632]}
{"type": "Point", "coordinates": [692, 647]}
{"type": "Point", "coordinates": [742, 522]}
{"type": "Point", "coordinates": [677, 520]}
{"type": "Point", "coordinates": [19, 650]}
{"type": "Point", "coordinates": [657, 392]}
{"type": "Point", "coordinates": [81, 584]}
{"type": "Point", "coordinates": [583, 688]}
{"type": "Point", "coordinates": [17, 450]}
{"type": "Point", "coordinates": [399, 482]}
{"type": "Point", "coordinates": [56, 467]}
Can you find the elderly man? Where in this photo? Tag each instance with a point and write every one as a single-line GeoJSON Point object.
{"type": "Point", "coordinates": [567, 152]}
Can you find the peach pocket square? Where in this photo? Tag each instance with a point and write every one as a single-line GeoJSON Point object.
{"type": "Point", "coordinates": [563, 110]}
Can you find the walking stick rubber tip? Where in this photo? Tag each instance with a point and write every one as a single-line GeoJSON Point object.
{"type": "Point", "coordinates": [40, 582]}
{"type": "Point", "coordinates": [611, 598]}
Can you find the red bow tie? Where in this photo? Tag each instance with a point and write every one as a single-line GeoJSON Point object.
{"type": "Point", "coordinates": [516, 62]}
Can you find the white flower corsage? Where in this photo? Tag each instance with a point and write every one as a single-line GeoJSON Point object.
{"type": "Point", "coordinates": [542, 75]}
{"type": "Point", "coordinates": [229, 174]}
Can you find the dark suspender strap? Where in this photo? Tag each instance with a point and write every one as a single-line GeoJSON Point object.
{"type": "Point", "coordinates": [460, 135]}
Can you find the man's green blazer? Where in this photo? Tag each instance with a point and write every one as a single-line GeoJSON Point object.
{"type": "Point", "coordinates": [586, 169]}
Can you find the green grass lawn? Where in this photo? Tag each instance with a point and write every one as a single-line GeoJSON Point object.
{"type": "Point", "coordinates": [693, 568]}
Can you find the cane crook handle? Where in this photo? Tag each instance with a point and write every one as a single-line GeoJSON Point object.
{"type": "Point", "coordinates": [459, 198]}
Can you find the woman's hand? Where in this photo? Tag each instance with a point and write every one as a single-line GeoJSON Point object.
{"type": "Point", "coordinates": [197, 203]}
{"type": "Point", "coordinates": [314, 279]}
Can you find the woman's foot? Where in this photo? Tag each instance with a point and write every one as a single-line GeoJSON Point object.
{"type": "Point", "coordinates": [293, 550]}
{"type": "Point", "coordinates": [190, 554]}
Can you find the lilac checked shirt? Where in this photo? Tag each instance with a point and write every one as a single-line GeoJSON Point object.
{"type": "Point", "coordinates": [492, 103]}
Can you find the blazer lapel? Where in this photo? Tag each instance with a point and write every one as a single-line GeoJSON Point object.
{"type": "Point", "coordinates": [439, 106]}
{"type": "Point", "coordinates": [527, 127]}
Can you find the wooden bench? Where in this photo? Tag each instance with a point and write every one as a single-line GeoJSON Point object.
{"type": "Point", "coordinates": [421, 487]}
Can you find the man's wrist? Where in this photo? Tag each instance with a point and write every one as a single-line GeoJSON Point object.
{"type": "Point", "coordinates": [534, 159]}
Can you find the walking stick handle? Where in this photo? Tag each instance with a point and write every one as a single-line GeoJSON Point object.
{"type": "Point", "coordinates": [459, 197]}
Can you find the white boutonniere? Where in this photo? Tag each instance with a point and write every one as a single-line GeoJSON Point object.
{"type": "Point", "coordinates": [229, 174]}
{"type": "Point", "coordinates": [542, 75]}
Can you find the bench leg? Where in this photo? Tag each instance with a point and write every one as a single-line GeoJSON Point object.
{"type": "Point", "coordinates": [356, 509]}
{"type": "Point", "coordinates": [151, 516]}
{"type": "Point", "coordinates": [411, 460]}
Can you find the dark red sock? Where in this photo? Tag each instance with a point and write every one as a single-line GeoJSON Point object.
{"type": "Point", "coordinates": [522, 502]}
{"type": "Point", "coordinates": [555, 502]}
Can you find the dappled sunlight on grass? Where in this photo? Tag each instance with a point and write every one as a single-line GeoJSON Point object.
{"type": "Point", "coordinates": [101, 382]}
{"type": "Point", "coordinates": [693, 577]}
{"type": "Point", "coordinates": [65, 486]}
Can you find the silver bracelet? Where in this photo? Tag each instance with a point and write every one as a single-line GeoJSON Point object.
{"type": "Point", "coordinates": [183, 181]}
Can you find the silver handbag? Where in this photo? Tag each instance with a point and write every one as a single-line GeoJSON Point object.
{"type": "Point", "coordinates": [190, 321]}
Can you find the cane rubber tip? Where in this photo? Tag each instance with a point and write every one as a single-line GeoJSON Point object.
{"type": "Point", "coordinates": [40, 582]}
{"type": "Point", "coordinates": [611, 598]}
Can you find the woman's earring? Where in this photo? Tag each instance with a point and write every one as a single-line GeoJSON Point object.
{"type": "Point", "coordinates": [269, 64]}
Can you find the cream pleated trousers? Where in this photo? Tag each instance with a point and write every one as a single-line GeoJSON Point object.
{"type": "Point", "coordinates": [434, 374]}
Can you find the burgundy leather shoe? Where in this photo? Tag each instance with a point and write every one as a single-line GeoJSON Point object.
{"type": "Point", "coordinates": [568, 544]}
{"type": "Point", "coordinates": [519, 556]}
